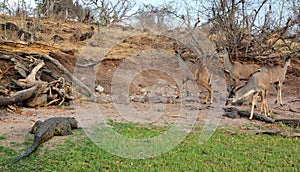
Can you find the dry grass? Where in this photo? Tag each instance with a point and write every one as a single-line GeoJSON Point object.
{"type": "Point", "coordinates": [47, 29]}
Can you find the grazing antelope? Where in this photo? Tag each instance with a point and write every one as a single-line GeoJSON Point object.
{"type": "Point", "coordinates": [259, 82]}
{"type": "Point", "coordinates": [198, 73]}
{"type": "Point", "coordinates": [238, 71]}
{"type": "Point", "coordinates": [277, 76]}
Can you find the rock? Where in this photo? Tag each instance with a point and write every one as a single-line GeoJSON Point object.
{"type": "Point", "coordinates": [156, 99]}
{"type": "Point", "coordinates": [127, 28]}
{"type": "Point", "coordinates": [41, 100]}
{"type": "Point", "coordinates": [142, 85]}
{"type": "Point", "coordinates": [146, 30]}
{"type": "Point", "coordinates": [57, 38]}
{"type": "Point", "coordinates": [138, 99]}
{"type": "Point", "coordinates": [121, 99]}
{"type": "Point", "coordinates": [103, 98]}
{"type": "Point", "coordinates": [71, 52]}
{"type": "Point", "coordinates": [144, 90]}
{"type": "Point", "coordinates": [191, 99]}
{"type": "Point", "coordinates": [45, 30]}
{"type": "Point", "coordinates": [9, 26]}
{"type": "Point", "coordinates": [67, 30]}
{"type": "Point", "coordinates": [25, 36]}
{"type": "Point", "coordinates": [86, 36]}
{"type": "Point", "coordinates": [99, 88]}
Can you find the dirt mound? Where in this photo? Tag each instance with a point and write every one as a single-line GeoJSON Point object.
{"type": "Point", "coordinates": [115, 45]}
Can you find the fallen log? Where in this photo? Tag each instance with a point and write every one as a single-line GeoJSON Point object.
{"type": "Point", "coordinates": [21, 96]}
{"type": "Point", "coordinates": [236, 113]}
{"type": "Point", "coordinates": [246, 114]}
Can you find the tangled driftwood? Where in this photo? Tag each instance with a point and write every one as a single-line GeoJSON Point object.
{"type": "Point", "coordinates": [26, 87]}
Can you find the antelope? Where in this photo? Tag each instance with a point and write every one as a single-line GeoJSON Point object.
{"type": "Point", "coordinates": [258, 83]}
{"type": "Point", "coordinates": [238, 71]}
{"type": "Point", "coordinates": [277, 76]}
{"type": "Point", "coordinates": [196, 73]}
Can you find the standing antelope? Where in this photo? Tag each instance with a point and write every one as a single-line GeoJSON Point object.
{"type": "Point", "coordinates": [238, 71]}
{"type": "Point", "coordinates": [259, 82]}
{"type": "Point", "coordinates": [196, 73]}
{"type": "Point", "coordinates": [277, 76]}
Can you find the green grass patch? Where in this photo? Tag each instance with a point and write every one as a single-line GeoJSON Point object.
{"type": "Point", "coordinates": [222, 152]}
{"type": "Point", "coordinates": [137, 131]}
{"type": "Point", "coordinates": [3, 137]}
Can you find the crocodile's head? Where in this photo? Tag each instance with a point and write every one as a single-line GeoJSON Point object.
{"type": "Point", "coordinates": [35, 127]}
{"type": "Point", "coordinates": [73, 122]}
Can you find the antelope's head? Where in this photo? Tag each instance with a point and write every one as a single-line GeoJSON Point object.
{"type": "Point", "coordinates": [231, 95]}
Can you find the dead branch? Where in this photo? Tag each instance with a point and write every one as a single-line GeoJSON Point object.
{"type": "Point", "coordinates": [58, 91]}
{"type": "Point", "coordinates": [5, 71]}
{"type": "Point", "coordinates": [81, 88]}
{"type": "Point", "coordinates": [35, 92]}
{"type": "Point", "coordinates": [236, 113]}
{"type": "Point", "coordinates": [3, 90]}
{"type": "Point", "coordinates": [31, 78]}
{"type": "Point", "coordinates": [20, 96]}
{"type": "Point", "coordinates": [246, 114]}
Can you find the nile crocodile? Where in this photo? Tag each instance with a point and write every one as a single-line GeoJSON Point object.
{"type": "Point", "coordinates": [56, 126]}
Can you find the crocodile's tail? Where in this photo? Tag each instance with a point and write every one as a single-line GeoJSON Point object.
{"type": "Point", "coordinates": [34, 146]}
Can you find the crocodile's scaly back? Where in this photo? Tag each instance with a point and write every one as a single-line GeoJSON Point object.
{"type": "Point", "coordinates": [46, 130]}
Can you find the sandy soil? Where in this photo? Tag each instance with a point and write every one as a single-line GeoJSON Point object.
{"type": "Point", "coordinates": [15, 127]}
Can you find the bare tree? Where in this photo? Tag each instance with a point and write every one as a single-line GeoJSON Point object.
{"type": "Point", "coordinates": [83, 14]}
{"type": "Point", "coordinates": [8, 7]}
{"type": "Point", "coordinates": [111, 11]}
{"type": "Point", "coordinates": [156, 17]}
{"type": "Point", "coordinates": [247, 28]}
{"type": "Point", "coordinates": [64, 9]}
{"type": "Point", "coordinates": [244, 28]}
{"type": "Point", "coordinates": [145, 19]}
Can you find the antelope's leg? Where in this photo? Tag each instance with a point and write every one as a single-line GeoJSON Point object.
{"type": "Point", "coordinates": [278, 88]}
{"type": "Point", "coordinates": [280, 98]}
{"type": "Point", "coordinates": [266, 103]}
{"type": "Point", "coordinates": [262, 103]}
{"type": "Point", "coordinates": [210, 93]}
{"type": "Point", "coordinates": [252, 105]}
